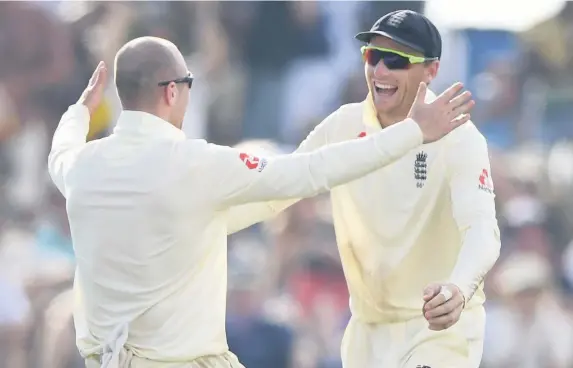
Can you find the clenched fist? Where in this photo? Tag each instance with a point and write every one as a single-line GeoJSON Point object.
{"type": "Point", "coordinates": [443, 305]}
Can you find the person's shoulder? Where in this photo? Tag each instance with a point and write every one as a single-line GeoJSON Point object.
{"type": "Point", "coordinates": [465, 142]}
{"type": "Point", "coordinates": [343, 113]}
{"type": "Point", "coordinates": [193, 147]}
{"type": "Point", "coordinates": [195, 152]}
{"type": "Point", "coordinates": [195, 143]}
{"type": "Point", "coordinates": [343, 121]}
{"type": "Point", "coordinates": [467, 133]}
{"type": "Point", "coordinates": [351, 110]}
{"type": "Point", "coordinates": [94, 148]}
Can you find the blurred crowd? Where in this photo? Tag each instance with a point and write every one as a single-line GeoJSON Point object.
{"type": "Point", "coordinates": [266, 73]}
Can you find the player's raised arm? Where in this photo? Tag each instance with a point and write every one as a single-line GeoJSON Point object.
{"type": "Point", "coordinates": [70, 136]}
{"type": "Point", "coordinates": [237, 177]}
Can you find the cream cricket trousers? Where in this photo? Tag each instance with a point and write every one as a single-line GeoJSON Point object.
{"type": "Point", "coordinates": [411, 344]}
{"type": "Point", "coordinates": [127, 360]}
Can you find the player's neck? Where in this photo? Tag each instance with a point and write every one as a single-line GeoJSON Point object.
{"type": "Point", "coordinates": [385, 120]}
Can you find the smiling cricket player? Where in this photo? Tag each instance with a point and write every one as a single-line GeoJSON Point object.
{"type": "Point", "coordinates": [148, 208]}
{"type": "Point", "coordinates": [417, 237]}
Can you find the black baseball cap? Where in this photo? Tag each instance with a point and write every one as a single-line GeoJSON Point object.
{"type": "Point", "coordinates": [407, 28]}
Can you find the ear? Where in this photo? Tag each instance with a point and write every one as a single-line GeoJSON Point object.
{"type": "Point", "coordinates": [431, 71]}
{"type": "Point", "coordinates": [170, 94]}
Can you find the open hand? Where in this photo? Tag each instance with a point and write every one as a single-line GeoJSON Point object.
{"type": "Point", "coordinates": [93, 94]}
{"type": "Point", "coordinates": [439, 117]}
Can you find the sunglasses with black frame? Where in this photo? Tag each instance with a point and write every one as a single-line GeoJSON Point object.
{"type": "Point", "coordinates": [187, 79]}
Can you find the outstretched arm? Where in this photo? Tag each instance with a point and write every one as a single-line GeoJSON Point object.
{"type": "Point", "coordinates": [235, 177]}
{"type": "Point", "coordinates": [246, 215]}
{"type": "Point", "coordinates": [339, 163]}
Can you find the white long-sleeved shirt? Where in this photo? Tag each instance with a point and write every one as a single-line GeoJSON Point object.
{"type": "Point", "coordinates": [148, 217]}
{"type": "Point", "coordinates": [428, 217]}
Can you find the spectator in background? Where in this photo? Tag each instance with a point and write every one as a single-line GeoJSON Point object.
{"type": "Point", "coordinates": [271, 23]}
{"type": "Point", "coordinates": [529, 328]}
{"type": "Point", "coordinates": [220, 80]}
{"type": "Point", "coordinates": [548, 47]}
{"type": "Point", "coordinates": [56, 97]}
{"type": "Point", "coordinates": [303, 278]}
{"type": "Point", "coordinates": [354, 89]}
{"type": "Point", "coordinates": [55, 335]}
{"type": "Point", "coordinates": [557, 193]}
{"type": "Point", "coordinates": [567, 264]}
{"type": "Point", "coordinates": [497, 91]}
{"type": "Point", "coordinates": [35, 52]}
{"type": "Point", "coordinates": [546, 78]}
{"type": "Point", "coordinates": [310, 91]}
{"type": "Point", "coordinates": [251, 335]}
{"type": "Point", "coordinates": [16, 323]}
{"type": "Point", "coordinates": [53, 238]}
{"type": "Point", "coordinates": [35, 259]}
{"type": "Point", "coordinates": [43, 64]}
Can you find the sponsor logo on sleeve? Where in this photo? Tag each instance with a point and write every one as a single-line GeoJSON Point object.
{"type": "Point", "coordinates": [253, 162]}
{"type": "Point", "coordinates": [485, 182]}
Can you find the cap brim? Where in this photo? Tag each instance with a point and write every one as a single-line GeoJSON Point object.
{"type": "Point", "coordinates": [367, 36]}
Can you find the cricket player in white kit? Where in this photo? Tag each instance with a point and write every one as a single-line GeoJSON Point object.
{"type": "Point", "coordinates": [416, 237]}
{"type": "Point", "coordinates": [148, 208]}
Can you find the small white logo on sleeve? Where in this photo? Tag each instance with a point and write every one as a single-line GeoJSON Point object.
{"type": "Point", "coordinates": [262, 164]}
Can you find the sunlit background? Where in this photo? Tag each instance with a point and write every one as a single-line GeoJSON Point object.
{"type": "Point", "coordinates": [271, 71]}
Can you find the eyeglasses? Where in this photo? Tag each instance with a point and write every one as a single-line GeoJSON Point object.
{"type": "Point", "coordinates": [187, 79]}
{"type": "Point", "coordinates": [393, 60]}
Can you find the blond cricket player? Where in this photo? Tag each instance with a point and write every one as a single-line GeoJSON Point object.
{"type": "Point", "coordinates": [148, 208]}
{"type": "Point", "coordinates": [416, 237]}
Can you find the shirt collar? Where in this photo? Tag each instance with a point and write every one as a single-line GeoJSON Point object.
{"type": "Point", "coordinates": [370, 116]}
{"type": "Point", "coordinates": [145, 124]}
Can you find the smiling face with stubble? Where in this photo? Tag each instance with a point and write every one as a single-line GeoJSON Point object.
{"type": "Point", "coordinates": [393, 74]}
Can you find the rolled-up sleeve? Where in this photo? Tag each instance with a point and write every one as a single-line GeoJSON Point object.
{"type": "Point", "coordinates": [472, 196]}
{"type": "Point", "coordinates": [236, 177]}
{"type": "Point", "coordinates": [69, 139]}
